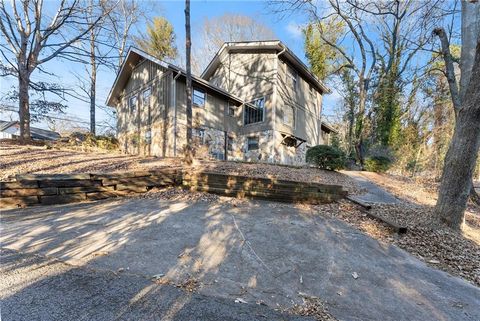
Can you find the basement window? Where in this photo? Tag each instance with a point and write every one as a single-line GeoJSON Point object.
{"type": "Point", "coordinates": [254, 111]}
{"type": "Point", "coordinates": [252, 143]}
{"type": "Point", "coordinates": [198, 97]}
{"type": "Point", "coordinates": [230, 143]}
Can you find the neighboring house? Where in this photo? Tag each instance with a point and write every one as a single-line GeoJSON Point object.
{"type": "Point", "coordinates": [11, 129]}
{"type": "Point", "coordinates": [256, 101]}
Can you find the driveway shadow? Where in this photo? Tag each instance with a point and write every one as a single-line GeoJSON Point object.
{"type": "Point", "coordinates": [257, 251]}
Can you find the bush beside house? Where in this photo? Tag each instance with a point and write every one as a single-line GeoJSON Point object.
{"type": "Point", "coordinates": [326, 157]}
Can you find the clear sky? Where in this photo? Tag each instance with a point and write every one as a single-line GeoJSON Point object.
{"type": "Point", "coordinates": [286, 29]}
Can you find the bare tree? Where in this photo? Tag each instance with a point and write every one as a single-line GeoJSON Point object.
{"type": "Point", "coordinates": [188, 48]}
{"type": "Point", "coordinates": [363, 68]}
{"type": "Point", "coordinates": [456, 183]}
{"type": "Point", "coordinates": [225, 28]}
{"type": "Point", "coordinates": [29, 42]}
{"type": "Point", "coordinates": [123, 18]}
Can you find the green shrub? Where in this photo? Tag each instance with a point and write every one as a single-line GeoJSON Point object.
{"type": "Point", "coordinates": [326, 157]}
{"type": "Point", "coordinates": [377, 163]}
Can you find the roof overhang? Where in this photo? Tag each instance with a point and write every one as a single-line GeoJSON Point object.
{"type": "Point", "coordinates": [328, 128]}
{"type": "Point", "coordinates": [275, 45]}
{"type": "Point", "coordinates": [133, 57]}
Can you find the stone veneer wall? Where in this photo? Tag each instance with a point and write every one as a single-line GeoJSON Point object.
{"type": "Point", "coordinates": [209, 143]}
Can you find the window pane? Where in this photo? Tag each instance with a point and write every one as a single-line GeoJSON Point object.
{"type": "Point", "coordinates": [252, 143]}
{"type": "Point", "coordinates": [289, 116]}
{"type": "Point", "coordinates": [254, 112]}
{"type": "Point", "coordinates": [132, 103]}
{"type": "Point", "coordinates": [198, 97]}
{"type": "Point", "coordinates": [231, 109]}
{"type": "Point", "coordinates": [146, 94]}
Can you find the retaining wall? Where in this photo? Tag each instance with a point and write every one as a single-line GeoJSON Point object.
{"type": "Point", "coordinates": [265, 188]}
{"type": "Point", "coordinates": [30, 190]}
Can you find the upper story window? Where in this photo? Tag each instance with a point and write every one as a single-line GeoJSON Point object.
{"type": "Point", "coordinates": [146, 96]}
{"type": "Point", "coordinates": [292, 77]}
{"type": "Point", "coordinates": [132, 103]}
{"type": "Point", "coordinates": [198, 97]}
{"type": "Point", "coordinates": [313, 93]}
{"type": "Point", "coordinates": [231, 109]}
{"type": "Point", "coordinates": [289, 116]}
{"type": "Point", "coordinates": [254, 111]}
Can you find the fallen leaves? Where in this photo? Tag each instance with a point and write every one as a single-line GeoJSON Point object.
{"type": "Point", "coordinates": [314, 307]}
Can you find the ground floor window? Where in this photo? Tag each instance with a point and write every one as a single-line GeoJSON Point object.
{"type": "Point", "coordinates": [199, 135]}
{"type": "Point", "coordinates": [230, 143]}
{"type": "Point", "coordinates": [198, 97]}
{"type": "Point", "coordinates": [252, 143]}
{"type": "Point", "coordinates": [254, 111]}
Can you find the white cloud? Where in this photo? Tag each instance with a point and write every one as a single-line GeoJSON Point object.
{"type": "Point", "coordinates": [294, 29]}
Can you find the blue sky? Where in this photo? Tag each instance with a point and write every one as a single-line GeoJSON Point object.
{"type": "Point", "coordinates": [286, 28]}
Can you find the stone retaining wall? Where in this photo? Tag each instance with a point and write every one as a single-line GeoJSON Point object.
{"type": "Point", "coordinates": [30, 190]}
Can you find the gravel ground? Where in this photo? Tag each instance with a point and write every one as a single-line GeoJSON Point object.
{"type": "Point", "coordinates": [39, 160]}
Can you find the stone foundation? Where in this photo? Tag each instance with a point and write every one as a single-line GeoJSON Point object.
{"type": "Point", "coordinates": [209, 143]}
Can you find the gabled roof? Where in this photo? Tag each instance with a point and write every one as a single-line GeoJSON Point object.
{"type": "Point", "coordinates": [35, 133]}
{"type": "Point", "coordinates": [134, 55]}
{"type": "Point", "coordinates": [6, 124]}
{"type": "Point", "coordinates": [276, 45]}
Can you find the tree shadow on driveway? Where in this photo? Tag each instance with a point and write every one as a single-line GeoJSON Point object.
{"type": "Point", "coordinates": [256, 251]}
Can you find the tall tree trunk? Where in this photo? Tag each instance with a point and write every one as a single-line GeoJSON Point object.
{"type": "Point", "coordinates": [462, 154]}
{"type": "Point", "coordinates": [188, 48]}
{"type": "Point", "coordinates": [24, 105]}
{"type": "Point", "coordinates": [93, 82]}
{"type": "Point", "coordinates": [470, 32]}
{"type": "Point", "coordinates": [362, 96]}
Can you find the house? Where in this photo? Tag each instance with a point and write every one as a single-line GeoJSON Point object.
{"type": "Point", "coordinates": [255, 101]}
{"type": "Point", "coordinates": [11, 129]}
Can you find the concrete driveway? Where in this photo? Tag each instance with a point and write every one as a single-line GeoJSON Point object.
{"type": "Point", "coordinates": [257, 251]}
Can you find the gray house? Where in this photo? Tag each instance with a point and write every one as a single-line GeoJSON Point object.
{"type": "Point", "coordinates": [11, 129]}
{"type": "Point", "coordinates": [256, 101]}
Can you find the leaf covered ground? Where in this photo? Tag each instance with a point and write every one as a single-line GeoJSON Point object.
{"type": "Point", "coordinates": [455, 253]}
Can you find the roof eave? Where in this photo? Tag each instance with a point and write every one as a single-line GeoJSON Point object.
{"type": "Point", "coordinates": [275, 44]}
